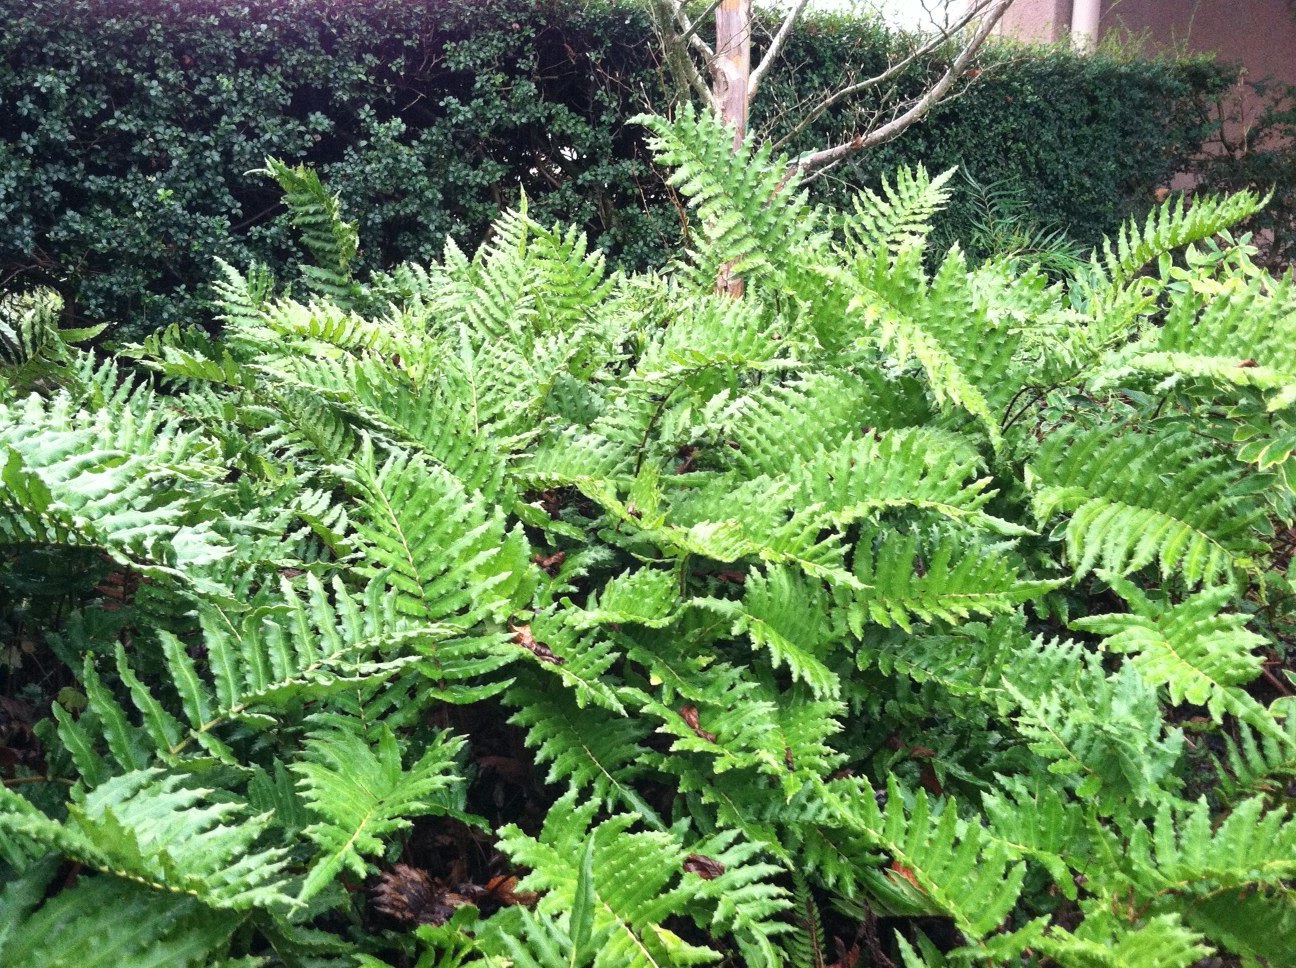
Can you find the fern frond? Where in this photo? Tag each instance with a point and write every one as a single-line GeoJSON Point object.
{"type": "Point", "coordinates": [446, 553]}
{"type": "Point", "coordinates": [1162, 941]}
{"type": "Point", "coordinates": [264, 662]}
{"type": "Point", "coordinates": [33, 350]}
{"type": "Point", "coordinates": [104, 922]}
{"type": "Point", "coordinates": [1258, 761]}
{"type": "Point", "coordinates": [746, 903]}
{"type": "Point", "coordinates": [961, 872]}
{"type": "Point", "coordinates": [900, 578]}
{"type": "Point", "coordinates": [1201, 656]}
{"type": "Point", "coordinates": [1253, 924]}
{"type": "Point", "coordinates": [1184, 851]}
{"type": "Point", "coordinates": [113, 479]}
{"type": "Point", "coordinates": [147, 827]}
{"type": "Point", "coordinates": [965, 354]}
{"type": "Point", "coordinates": [821, 409]}
{"type": "Point", "coordinates": [636, 884]}
{"type": "Point", "coordinates": [363, 794]}
{"type": "Point", "coordinates": [1169, 226]}
{"type": "Point", "coordinates": [785, 614]}
{"type": "Point", "coordinates": [1136, 499]}
{"type": "Point", "coordinates": [644, 597]}
{"type": "Point", "coordinates": [899, 216]}
{"type": "Point", "coordinates": [912, 469]}
{"type": "Point", "coordinates": [1111, 740]}
{"type": "Point", "coordinates": [1234, 333]}
{"type": "Point", "coordinates": [594, 751]}
{"type": "Point", "coordinates": [332, 242]}
{"type": "Point", "coordinates": [752, 219]}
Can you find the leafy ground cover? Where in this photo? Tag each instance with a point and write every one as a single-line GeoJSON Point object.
{"type": "Point", "coordinates": [507, 611]}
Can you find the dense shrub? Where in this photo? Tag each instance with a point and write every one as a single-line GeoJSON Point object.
{"type": "Point", "coordinates": [128, 130]}
{"type": "Point", "coordinates": [878, 599]}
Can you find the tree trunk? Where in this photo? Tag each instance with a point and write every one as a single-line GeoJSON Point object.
{"type": "Point", "coordinates": [730, 74]}
{"type": "Point", "coordinates": [731, 69]}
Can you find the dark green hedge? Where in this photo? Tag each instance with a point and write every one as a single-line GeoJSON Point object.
{"type": "Point", "coordinates": [128, 131]}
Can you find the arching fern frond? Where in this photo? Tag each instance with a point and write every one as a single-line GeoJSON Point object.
{"type": "Point", "coordinates": [1134, 499]}
{"type": "Point", "coordinates": [114, 479]}
{"type": "Point", "coordinates": [1169, 226]}
{"type": "Point", "coordinates": [752, 219]}
{"type": "Point", "coordinates": [147, 826]}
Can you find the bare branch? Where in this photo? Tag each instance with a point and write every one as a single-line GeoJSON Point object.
{"type": "Point", "coordinates": [775, 47]}
{"type": "Point", "coordinates": [994, 10]}
{"type": "Point", "coordinates": [690, 30]}
{"type": "Point", "coordinates": [675, 52]}
{"type": "Point", "coordinates": [934, 42]}
{"type": "Point", "coordinates": [689, 27]}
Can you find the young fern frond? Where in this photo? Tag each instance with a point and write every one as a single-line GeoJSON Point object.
{"type": "Point", "coordinates": [363, 794]}
{"type": "Point", "coordinates": [446, 553]}
{"type": "Point", "coordinates": [318, 216]}
{"type": "Point", "coordinates": [1112, 742]}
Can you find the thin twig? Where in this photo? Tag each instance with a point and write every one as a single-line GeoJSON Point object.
{"type": "Point", "coordinates": [936, 41]}
{"type": "Point", "coordinates": [775, 47]}
{"type": "Point", "coordinates": [924, 104]}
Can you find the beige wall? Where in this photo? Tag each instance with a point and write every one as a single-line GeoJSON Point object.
{"type": "Point", "coordinates": [1260, 34]}
{"type": "Point", "coordinates": [1040, 21]}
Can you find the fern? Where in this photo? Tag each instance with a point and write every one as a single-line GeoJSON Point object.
{"type": "Point", "coordinates": [650, 622]}
{"type": "Point", "coordinates": [363, 794]}
{"type": "Point", "coordinates": [331, 241]}
{"type": "Point", "coordinates": [146, 827]}
{"type": "Point", "coordinates": [1136, 499]}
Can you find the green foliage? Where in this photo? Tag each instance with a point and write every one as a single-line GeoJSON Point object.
{"type": "Point", "coordinates": [363, 796]}
{"type": "Point", "coordinates": [507, 609]}
{"type": "Point", "coordinates": [133, 128]}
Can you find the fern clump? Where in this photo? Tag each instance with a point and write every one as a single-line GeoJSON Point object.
{"type": "Point", "coordinates": [506, 611]}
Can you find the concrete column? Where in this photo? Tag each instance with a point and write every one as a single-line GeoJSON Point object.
{"type": "Point", "coordinates": [1084, 23]}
